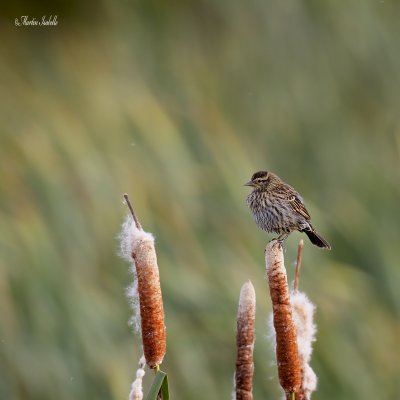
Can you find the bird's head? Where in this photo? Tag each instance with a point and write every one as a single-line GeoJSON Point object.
{"type": "Point", "coordinates": [260, 180]}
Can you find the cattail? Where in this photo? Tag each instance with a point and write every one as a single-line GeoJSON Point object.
{"type": "Point", "coordinates": [138, 246]}
{"type": "Point", "coordinates": [137, 387]}
{"type": "Point", "coordinates": [289, 368]}
{"type": "Point", "coordinates": [245, 343]}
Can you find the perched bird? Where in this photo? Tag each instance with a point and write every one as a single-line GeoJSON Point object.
{"type": "Point", "coordinates": [278, 208]}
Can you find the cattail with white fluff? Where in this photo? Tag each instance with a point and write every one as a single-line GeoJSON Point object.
{"type": "Point", "coordinates": [245, 342]}
{"type": "Point", "coordinates": [288, 361]}
{"type": "Point", "coordinates": [137, 246]}
{"type": "Point", "coordinates": [302, 316]}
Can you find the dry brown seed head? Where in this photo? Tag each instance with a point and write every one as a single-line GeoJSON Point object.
{"type": "Point", "coordinates": [245, 343]}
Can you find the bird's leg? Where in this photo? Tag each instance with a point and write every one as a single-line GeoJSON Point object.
{"type": "Point", "coordinates": [282, 238]}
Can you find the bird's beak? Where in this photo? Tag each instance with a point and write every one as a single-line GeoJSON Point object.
{"type": "Point", "coordinates": [249, 183]}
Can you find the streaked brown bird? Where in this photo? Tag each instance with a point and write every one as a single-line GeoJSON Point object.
{"type": "Point", "coordinates": [278, 208]}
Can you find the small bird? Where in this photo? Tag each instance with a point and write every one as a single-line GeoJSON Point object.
{"type": "Point", "coordinates": [278, 208]}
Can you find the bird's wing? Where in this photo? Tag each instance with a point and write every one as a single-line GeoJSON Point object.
{"type": "Point", "coordinates": [296, 202]}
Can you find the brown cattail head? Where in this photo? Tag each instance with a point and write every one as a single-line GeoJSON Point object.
{"type": "Point", "coordinates": [289, 368]}
{"type": "Point", "coordinates": [245, 342]}
{"type": "Point", "coordinates": [150, 300]}
{"type": "Point", "coordinates": [140, 246]}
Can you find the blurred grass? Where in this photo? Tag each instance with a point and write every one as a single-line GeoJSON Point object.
{"type": "Point", "coordinates": [177, 104]}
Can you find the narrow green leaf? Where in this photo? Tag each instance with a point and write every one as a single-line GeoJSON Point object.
{"type": "Point", "coordinates": [165, 388]}
{"type": "Point", "coordinates": [160, 384]}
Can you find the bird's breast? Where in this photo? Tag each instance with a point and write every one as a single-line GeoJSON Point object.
{"type": "Point", "coordinates": [271, 213]}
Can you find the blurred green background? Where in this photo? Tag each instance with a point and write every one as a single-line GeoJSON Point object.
{"type": "Point", "coordinates": [178, 103]}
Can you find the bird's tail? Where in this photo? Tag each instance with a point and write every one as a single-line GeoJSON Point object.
{"type": "Point", "coordinates": [317, 239]}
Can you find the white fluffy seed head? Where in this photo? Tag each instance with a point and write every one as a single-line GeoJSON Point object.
{"type": "Point", "coordinates": [303, 316]}
{"type": "Point", "coordinates": [132, 295]}
{"type": "Point", "coordinates": [136, 392]}
{"type": "Point", "coordinates": [271, 334]}
{"type": "Point", "coordinates": [309, 381]}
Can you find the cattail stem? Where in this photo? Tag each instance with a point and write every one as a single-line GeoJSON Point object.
{"type": "Point", "coordinates": [142, 252]}
{"type": "Point", "coordinates": [135, 218]}
{"type": "Point", "coordinates": [289, 368]}
{"type": "Point", "coordinates": [298, 265]}
{"type": "Point", "coordinates": [245, 342]}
